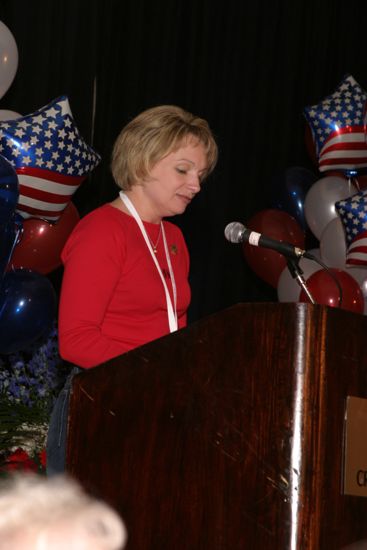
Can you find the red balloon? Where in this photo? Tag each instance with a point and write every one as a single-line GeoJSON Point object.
{"type": "Point", "coordinates": [277, 225]}
{"type": "Point", "coordinates": [324, 290]}
{"type": "Point", "coordinates": [41, 242]}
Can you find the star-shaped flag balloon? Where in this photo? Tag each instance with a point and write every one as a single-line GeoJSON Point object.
{"type": "Point", "coordinates": [353, 214]}
{"type": "Point", "coordinates": [50, 158]}
{"type": "Point", "coordinates": [338, 128]}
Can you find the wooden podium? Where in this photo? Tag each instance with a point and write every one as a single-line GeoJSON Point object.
{"type": "Point", "coordinates": [228, 435]}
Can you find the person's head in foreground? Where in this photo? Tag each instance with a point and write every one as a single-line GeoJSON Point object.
{"type": "Point", "coordinates": [39, 513]}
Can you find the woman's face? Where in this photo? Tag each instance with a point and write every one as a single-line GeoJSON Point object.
{"type": "Point", "coordinates": [175, 180]}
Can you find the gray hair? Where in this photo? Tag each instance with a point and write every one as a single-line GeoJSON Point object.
{"type": "Point", "coordinates": [38, 512]}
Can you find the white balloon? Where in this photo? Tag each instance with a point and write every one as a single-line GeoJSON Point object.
{"type": "Point", "coordinates": [8, 58]}
{"type": "Point", "coordinates": [333, 246]}
{"type": "Point", "coordinates": [319, 205]}
{"type": "Point", "coordinates": [8, 115]}
{"type": "Point", "coordinates": [288, 288]}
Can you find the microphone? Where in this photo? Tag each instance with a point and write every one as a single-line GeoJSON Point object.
{"type": "Point", "coordinates": [236, 232]}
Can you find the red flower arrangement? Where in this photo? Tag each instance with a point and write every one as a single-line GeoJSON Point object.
{"type": "Point", "coordinates": [20, 460]}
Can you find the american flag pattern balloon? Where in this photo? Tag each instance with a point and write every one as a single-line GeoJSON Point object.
{"type": "Point", "coordinates": [353, 214]}
{"type": "Point", "coordinates": [50, 158]}
{"type": "Point", "coordinates": [338, 128]}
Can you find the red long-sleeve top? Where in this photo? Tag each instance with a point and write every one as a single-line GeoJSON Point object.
{"type": "Point", "coordinates": [112, 297]}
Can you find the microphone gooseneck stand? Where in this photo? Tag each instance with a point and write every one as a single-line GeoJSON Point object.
{"type": "Point", "coordinates": [297, 274]}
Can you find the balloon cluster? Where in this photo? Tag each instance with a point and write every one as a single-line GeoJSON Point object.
{"type": "Point", "coordinates": [332, 209]}
{"type": "Point", "coordinates": [50, 158]}
{"type": "Point", "coordinates": [44, 160]}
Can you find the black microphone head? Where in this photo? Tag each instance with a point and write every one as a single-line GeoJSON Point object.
{"type": "Point", "coordinates": [234, 232]}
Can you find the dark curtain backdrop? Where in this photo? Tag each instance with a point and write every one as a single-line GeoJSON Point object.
{"type": "Point", "coordinates": [248, 67]}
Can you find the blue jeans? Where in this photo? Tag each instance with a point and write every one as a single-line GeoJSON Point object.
{"type": "Point", "coordinates": [57, 430]}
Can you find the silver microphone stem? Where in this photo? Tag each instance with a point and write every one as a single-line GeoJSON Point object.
{"type": "Point", "coordinates": [297, 274]}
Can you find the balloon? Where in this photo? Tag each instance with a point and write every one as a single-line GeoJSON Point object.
{"type": "Point", "coordinates": [358, 180]}
{"type": "Point", "coordinates": [8, 58]}
{"type": "Point", "coordinates": [333, 247]}
{"type": "Point", "coordinates": [360, 275]}
{"type": "Point", "coordinates": [320, 201]}
{"type": "Point", "coordinates": [9, 191]}
{"type": "Point", "coordinates": [288, 288]}
{"type": "Point", "coordinates": [353, 214]}
{"type": "Point", "coordinates": [324, 290]}
{"type": "Point", "coordinates": [278, 225]}
{"type": "Point", "coordinates": [41, 242]}
{"type": "Point", "coordinates": [361, 181]}
{"type": "Point", "coordinates": [9, 235]}
{"type": "Point", "coordinates": [337, 125]}
{"type": "Point", "coordinates": [290, 190]}
{"type": "Point", "coordinates": [50, 158]}
{"type": "Point", "coordinates": [27, 309]}
{"type": "Point", "coordinates": [8, 115]}
{"type": "Point", "coordinates": [9, 194]}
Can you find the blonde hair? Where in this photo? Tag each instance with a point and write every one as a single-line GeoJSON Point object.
{"type": "Point", "coordinates": [55, 513]}
{"type": "Point", "coordinates": [152, 135]}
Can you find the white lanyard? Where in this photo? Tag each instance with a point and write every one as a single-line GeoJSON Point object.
{"type": "Point", "coordinates": [171, 309]}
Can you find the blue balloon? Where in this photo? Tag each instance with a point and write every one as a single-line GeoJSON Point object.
{"type": "Point", "coordinates": [27, 309]}
{"type": "Point", "coordinates": [9, 190]}
{"type": "Point", "coordinates": [7, 240]}
{"type": "Point", "coordinates": [9, 236]}
{"type": "Point", "coordinates": [289, 191]}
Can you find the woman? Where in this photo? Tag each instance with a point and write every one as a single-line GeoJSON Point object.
{"type": "Point", "coordinates": [125, 281]}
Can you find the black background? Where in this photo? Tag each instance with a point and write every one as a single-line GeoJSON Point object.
{"type": "Point", "coordinates": [249, 68]}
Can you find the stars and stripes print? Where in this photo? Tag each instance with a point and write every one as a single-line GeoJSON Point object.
{"type": "Point", "coordinates": [50, 158]}
{"type": "Point", "coordinates": [353, 214]}
{"type": "Point", "coordinates": [338, 128]}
